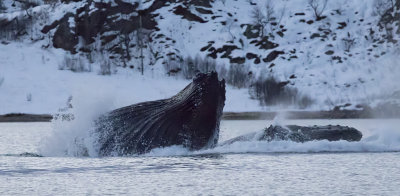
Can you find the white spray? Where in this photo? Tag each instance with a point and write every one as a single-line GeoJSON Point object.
{"type": "Point", "coordinates": [74, 138]}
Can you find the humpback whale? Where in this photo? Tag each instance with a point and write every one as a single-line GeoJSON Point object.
{"type": "Point", "coordinates": [301, 134]}
{"type": "Point", "coordinates": [190, 118]}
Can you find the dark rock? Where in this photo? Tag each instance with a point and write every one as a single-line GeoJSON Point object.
{"type": "Point", "coordinates": [342, 25]}
{"type": "Point", "coordinates": [237, 60]}
{"type": "Point", "coordinates": [213, 55]}
{"type": "Point", "coordinates": [63, 38]}
{"type": "Point", "coordinates": [314, 35]}
{"type": "Point", "coordinates": [252, 31]}
{"type": "Point", "coordinates": [329, 52]}
{"type": "Point", "coordinates": [253, 41]}
{"type": "Point", "coordinates": [265, 44]}
{"type": "Point", "coordinates": [202, 3]}
{"type": "Point", "coordinates": [205, 47]}
{"type": "Point", "coordinates": [337, 58]}
{"type": "Point", "coordinates": [203, 11]}
{"type": "Point", "coordinates": [214, 17]}
{"type": "Point", "coordinates": [185, 13]}
{"type": "Point", "coordinates": [226, 49]}
{"type": "Point", "coordinates": [68, 1]}
{"type": "Point", "coordinates": [108, 38]}
{"type": "Point", "coordinates": [320, 18]}
{"type": "Point", "coordinates": [272, 56]}
{"type": "Point", "coordinates": [89, 23]}
{"type": "Point", "coordinates": [251, 55]}
{"type": "Point", "coordinates": [53, 25]}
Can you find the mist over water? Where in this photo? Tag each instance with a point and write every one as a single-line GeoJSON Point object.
{"type": "Point", "coordinates": [76, 138]}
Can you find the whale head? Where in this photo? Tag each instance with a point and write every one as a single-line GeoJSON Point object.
{"type": "Point", "coordinates": [190, 118]}
{"type": "Point", "coordinates": [208, 93]}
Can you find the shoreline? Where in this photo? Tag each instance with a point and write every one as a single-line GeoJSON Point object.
{"type": "Point", "coordinates": [23, 117]}
{"type": "Point", "coordinates": [332, 114]}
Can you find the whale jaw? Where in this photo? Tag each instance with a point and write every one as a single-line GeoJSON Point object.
{"type": "Point", "coordinates": [190, 118]}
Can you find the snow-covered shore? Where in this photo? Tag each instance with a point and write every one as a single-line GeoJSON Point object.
{"type": "Point", "coordinates": [33, 84]}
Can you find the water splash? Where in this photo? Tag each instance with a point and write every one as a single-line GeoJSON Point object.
{"type": "Point", "coordinates": [74, 138]}
{"type": "Point", "coordinates": [380, 140]}
{"type": "Point", "coordinates": [279, 119]}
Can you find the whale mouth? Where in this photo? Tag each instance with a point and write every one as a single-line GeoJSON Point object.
{"type": "Point", "coordinates": [213, 103]}
{"type": "Point", "coordinates": [190, 118]}
{"type": "Point", "coordinates": [208, 94]}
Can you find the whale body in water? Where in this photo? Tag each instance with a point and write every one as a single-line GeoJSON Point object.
{"type": "Point", "coordinates": [297, 133]}
{"type": "Point", "coordinates": [190, 118]}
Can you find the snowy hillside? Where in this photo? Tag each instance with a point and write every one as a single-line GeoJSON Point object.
{"type": "Point", "coordinates": [289, 54]}
{"type": "Point", "coordinates": [32, 83]}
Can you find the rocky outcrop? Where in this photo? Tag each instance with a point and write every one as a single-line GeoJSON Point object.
{"type": "Point", "coordinates": [88, 23]}
{"type": "Point", "coordinates": [185, 13]}
{"type": "Point", "coordinates": [272, 56]}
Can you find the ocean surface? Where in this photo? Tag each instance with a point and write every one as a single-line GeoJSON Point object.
{"type": "Point", "coordinates": [368, 167]}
